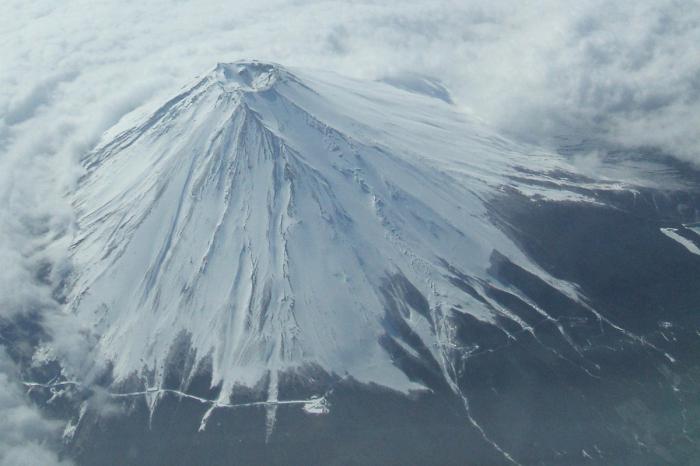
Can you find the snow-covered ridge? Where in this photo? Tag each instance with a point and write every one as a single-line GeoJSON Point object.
{"type": "Point", "coordinates": [276, 218]}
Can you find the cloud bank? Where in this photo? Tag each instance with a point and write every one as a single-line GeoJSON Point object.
{"type": "Point", "coordinates": [624, 73]}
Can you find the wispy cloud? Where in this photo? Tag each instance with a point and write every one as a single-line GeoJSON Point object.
{"type": "Point", "coordinates": [26, 437]}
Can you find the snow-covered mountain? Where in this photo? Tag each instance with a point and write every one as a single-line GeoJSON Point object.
{"type": "Point", "coordinates": [279, 221]}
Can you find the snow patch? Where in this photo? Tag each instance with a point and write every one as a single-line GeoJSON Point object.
{"type": "Point", "coordinates": [685, 242]}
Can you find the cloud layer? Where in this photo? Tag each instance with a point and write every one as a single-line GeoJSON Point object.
{"type": "Point", "coordinates": [616, 72]}
{"type": "Point", "coordinates": [628, 72]}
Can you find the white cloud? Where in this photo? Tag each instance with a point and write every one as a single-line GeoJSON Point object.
{"type": "Point", "coordinates": [25, 436]}
{"type": "Point", "coordinates": [625, 72]}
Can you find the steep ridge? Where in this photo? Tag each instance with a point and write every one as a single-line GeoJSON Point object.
{"type": "Point", "coordinates": [280, 219]}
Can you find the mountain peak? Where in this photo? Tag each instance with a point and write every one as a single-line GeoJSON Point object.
{"type": "Point", "coordinates": [248, 75]}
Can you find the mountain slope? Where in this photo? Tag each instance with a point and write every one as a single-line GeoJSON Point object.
{"type": "Point", "coordinates": [278, 220]}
